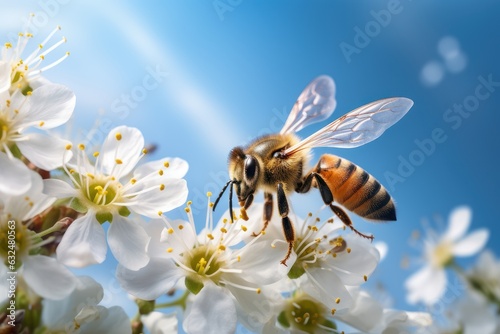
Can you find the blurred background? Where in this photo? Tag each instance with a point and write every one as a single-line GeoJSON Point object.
{"type": "Point", "coordinates": [200, 77]}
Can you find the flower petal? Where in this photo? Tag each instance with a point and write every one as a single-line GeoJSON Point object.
{"type": "Point", "coordinates": [4, 76]}
{"type": "Point", "coordinates": [123, 143]}
{"type": "Point", "coordinates": [160, 323]}
{"type": "Point", "coordinates": [212, 312]}
{"type": "Point", "coordinates": [181, 240]}
{"type": "Point", "coordinates": [47, 277]}
{"type": "Point", "coordinates": [51, 104]}
{"type": "Point", "coordinates": [351, 267]}
{"type": "Point", "coordinates": [46, 152]}
{"type": "Point", "coordinates": [113, 320]}
{"type": "Point", "coordinates": [259, 269]}
{"type": "Point", "coordinates": [460, 219]}
{"type": "Point", "coordinates": [426, 285]}
{"type": "Point", "coordinates": [58, 188]}
{"type": "Point", "coordinates": [365, 313]}
{"type": "Point", "coordinates": [150, 202]}
{"type": "Point", "coordinates": [176, 169]}
{"type": "Point", "coordinates": [83, 243]}
{"type": "Point", "coordinates": [15, 176]}
{"type": "Point", "coordinates": [325, 286]}
{"type": "Point", "coordinates": [151, 281]}
{"type": "Point", "coordinates": [472, 243]}
{"type": "Point", "coordinates": [128, 241]}
{"type": "Point", "coordinates": [57, 314]}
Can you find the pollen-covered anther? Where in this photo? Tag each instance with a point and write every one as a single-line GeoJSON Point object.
{"type": "Point", "coordinates": [41, 123]}
{"type": "Point", "coordinates": [170, 250]}
{"type": "Point", "coordinates": [365, 278]}
{"type": "Point", "coordinates": [8, 45]}
{"type": "Point", "coordinates": [170, 231]}
{"type": "Point", "coordinates": [118, 136]}
{"type": "Point", "coordinates": [210, 236]}
{"type": "Point", "coordinates": [145, 151]}
{"type": "Point", "coordinates": [244, 228]}
{"type": "Point", "coordinates": [133, 181]}
{"type": "Point", "coordinates": [180, 227]}
{"type": "Point", "coordinates": [96, 154]}
{"type": "Point", "coordinates": [223, 230]}
{"type": "Point", "coordinates": [209, 194]}
{"type": "Point", "coordinates": [90, 175]}
{"type": "Point", "coordinates": [81, 146]}
{"type": "Point", "coordinates": [162, 187]}
{"type": "Point", "coordinates": [160, 172]}
{"type": "Point", "coordinates": [258, 290]}
{"type": "Point", "coordinates": [222, 247]}
{"type": "Point", "coordinates": [189, 203]}
{"type": "Point", "coordinates": [42, 57]}
{"type": "Point", "coordinates": [118, 161]}
{"type": "Point", "coordinates": [68, 147]}
{"type": "Point", "coordinates": [160, 213]}
{"type": "Point", "coordinates": [337, 301]}
{"type": "Point", "coordinates": [333, 311]}
{"type": "Point", "coordinates": [348, 250]}
{"type": "Point", "coordinates": [238, 258]}
{"type": "Point", "coordinates": [187, 209]}
{"type": "Point", "coordinates": [166, 164]}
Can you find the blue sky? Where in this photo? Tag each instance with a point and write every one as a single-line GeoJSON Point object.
{"type": "Point", "coordinates": [198, 80]}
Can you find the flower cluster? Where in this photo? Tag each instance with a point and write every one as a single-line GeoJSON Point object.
{"type": "Point", "coordinates": [469, 303]}
{"type": "Point", "coordinates": [62, 205]}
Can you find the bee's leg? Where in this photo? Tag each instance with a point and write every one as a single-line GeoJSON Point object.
{"type": "Point", "coordinates": [347, 221]}
{"type": "Point", "coordinates": [268, 212]}
{"type": "Point", "coordinates": [327, 196]}
{"type": "Point", "coordinates": [287, 223]}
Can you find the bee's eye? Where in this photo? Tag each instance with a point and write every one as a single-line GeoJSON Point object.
{"type": "Point", "coordinates": [251, 167]}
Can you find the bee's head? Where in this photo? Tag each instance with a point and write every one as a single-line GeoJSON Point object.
{"type": "Point", "coordinates": [244, 170]}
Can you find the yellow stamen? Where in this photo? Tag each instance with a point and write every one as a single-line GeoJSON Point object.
{"type": "Point", "coordinates": [118, 136]}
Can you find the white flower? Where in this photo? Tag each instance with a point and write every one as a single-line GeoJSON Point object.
{"type": "Point", "coordinates": [109, 190]}
{"type": "Point", "coordinates": [224, 280]}
{"type": "Point", "coordinates": [160, 323]}
{"type": "Point", "coordinates": [472, 314]}
{"type": "Point", "coordinates": [369, 316]}
{"type": "Point", "coordinates": [43, 274]}
{"type": "Point", "coordinates": [80, 312]}
{"type": "Point", "coordinates": [23, 73]}
{"type": "Point", "coordinates": [429, 283]}
{"type": "Point", "coordinates": [44, 108]}
{"type": "Point", "coordinates": [485, 275]}
{"type": "Point", "coordinates": [15, 176]}
{"type": "Point", "coordinates": [330, 261]}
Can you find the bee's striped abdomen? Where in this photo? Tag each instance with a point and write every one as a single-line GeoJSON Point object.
{"type": "Point", "coordinates": [355, 189]}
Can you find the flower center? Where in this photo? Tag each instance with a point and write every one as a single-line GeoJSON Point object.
{"type": "Point", "coordinates": [101, 193]}
{"type": "Point", "coordinates": [442, 254]}
{"type": "Point", "coordinates": [204, 261]}
{"type": "Point", "coordinates": [15, 242]}
{"type": "Point", "coordinates": [305, 314]}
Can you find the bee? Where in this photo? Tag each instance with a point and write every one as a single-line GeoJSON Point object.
{"type": "Point", "coordinates": [276, 163]}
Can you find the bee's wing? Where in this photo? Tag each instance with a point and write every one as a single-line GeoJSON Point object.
{"type": "Point", "coordinates": [358, 127]}
{"type": "Point", "coordinates": [314, 104]}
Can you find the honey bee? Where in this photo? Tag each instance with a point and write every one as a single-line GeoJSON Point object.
{"type": "Point", "coordinates": [276, 163]}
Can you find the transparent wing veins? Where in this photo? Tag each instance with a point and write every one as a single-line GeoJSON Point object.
{"type": "Point", "coordinates": [358, 127]}
{"type": "Point", "coordinates": [314, 104]}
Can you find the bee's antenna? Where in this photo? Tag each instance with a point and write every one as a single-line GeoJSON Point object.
{"type": "Point", "coordinates": [221, 193]}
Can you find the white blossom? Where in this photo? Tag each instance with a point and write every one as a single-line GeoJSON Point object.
{"type": "Point", "coordinates": [227, 283]}
{"type": "Point", "coordinates": [81, 313]}
{"type": "Point", "coordinates": [42, 274]}
{"type": "Point", "coordinates": [429, 283]}
{"type": "Point", "coordinates": [108, 190]}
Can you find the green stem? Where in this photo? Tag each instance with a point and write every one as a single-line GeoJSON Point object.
{"type": "Point", "coordinates": [178, 302]}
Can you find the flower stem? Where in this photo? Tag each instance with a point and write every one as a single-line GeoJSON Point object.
{"type": "Point", "coordinates": [178, 302]}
